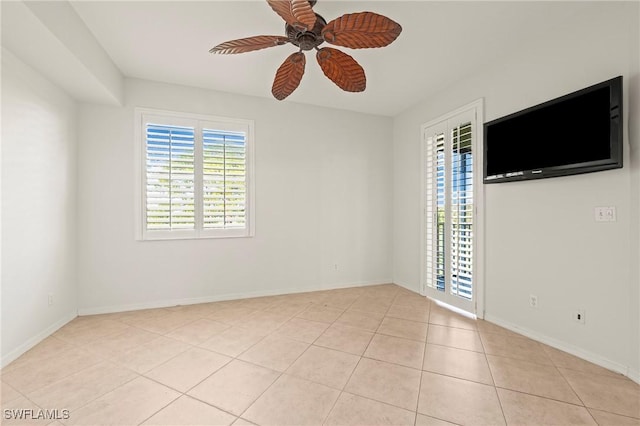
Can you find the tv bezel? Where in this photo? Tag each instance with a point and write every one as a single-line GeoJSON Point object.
{"type": "Point", "coordinates": [615, 139]}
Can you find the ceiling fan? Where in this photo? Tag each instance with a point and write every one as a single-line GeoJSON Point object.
{"type": "Point", "coordinates": [308, 30]}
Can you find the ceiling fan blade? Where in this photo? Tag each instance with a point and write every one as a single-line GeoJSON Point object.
{"type": "Point", "coordinates": [249, 44]}
{"type": "Point", "coordinates": [361, 30]}
{"type": "Point", "coordinates": [288, 76]}
{"type": "Point", "coordinates": [297, 13]}
{"type": "Point", "coordinates": [342, 69]}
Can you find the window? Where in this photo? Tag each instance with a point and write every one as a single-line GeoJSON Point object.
{"type": "Point", "coordinates": [195, 175]}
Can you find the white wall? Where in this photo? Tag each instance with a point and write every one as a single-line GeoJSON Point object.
{"type": "Point", "coordinates": [51, 38]}
{"type": "Point", "coordinates": [38, 207]}
{"type": "Point", "coordinates": [634, 140]}
{"type": "Point", "coordinates": [540, 236]}
{"type": "Point", "coordinates": [323, 185]}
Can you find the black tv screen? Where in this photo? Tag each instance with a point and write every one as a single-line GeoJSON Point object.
{"type": "Point", "coordinates": [577, 133]}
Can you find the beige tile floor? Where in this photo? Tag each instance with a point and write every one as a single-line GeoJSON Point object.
{"type": "Point", "coordinates": [378, 355]}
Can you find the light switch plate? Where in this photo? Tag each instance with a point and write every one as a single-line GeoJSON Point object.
{"type": "Point", "coordinates": [605, 214]}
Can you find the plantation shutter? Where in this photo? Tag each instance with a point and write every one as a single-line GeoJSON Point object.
{"type": "Point", "coordinates": [170, 186]}
{"type": "Point", "coordinates": [435, 210]}
{"type": "Point", "coordinates": [195, 177]}
{"type": "Point", "coordinates": [224, 179]}
{"type": "Point", "coordinates": [461, 211]}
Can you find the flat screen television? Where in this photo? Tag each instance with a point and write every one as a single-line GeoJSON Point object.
{"type": "Point", "coordinates": [577, 133]}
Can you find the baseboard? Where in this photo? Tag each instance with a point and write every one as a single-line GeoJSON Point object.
{"type": "Point", "coordinates": [17, 352]}
{"type": "Point", "coordinates": [220, 298]}
{"type": "Point", "coordinates": [565, 347]}
{"type": "Point", "coordinates": [406, 286]}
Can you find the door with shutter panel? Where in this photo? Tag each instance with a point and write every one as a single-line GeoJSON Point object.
{"type": "Point", "coordinates": [450, 170]}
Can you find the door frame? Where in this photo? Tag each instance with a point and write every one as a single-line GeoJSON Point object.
{"type": "Point", "coordinates": [478, 200]}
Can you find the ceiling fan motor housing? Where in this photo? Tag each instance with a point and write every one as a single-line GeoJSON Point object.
{"type": "Point", "coordinates": [307, 40]}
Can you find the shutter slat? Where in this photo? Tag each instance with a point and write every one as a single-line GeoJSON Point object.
{"type": "Point", "coordinates": [224, 165]}
{"type": "Point", "coordinates": [461, 256]}
{"type": "Point", "coordinates": [449, 196]}
{"type": "Point", "coordinates": [170, 195]}
{"type": "Point", "coordinates": [434, 211]}
{"type": "Point", "coordinates": [170, 178]}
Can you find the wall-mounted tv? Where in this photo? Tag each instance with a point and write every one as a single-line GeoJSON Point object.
{"type": "Point", "coordinates": [577, 133]}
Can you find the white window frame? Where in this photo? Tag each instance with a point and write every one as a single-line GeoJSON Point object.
{"type": "Point", "coordinates": [142, 116]}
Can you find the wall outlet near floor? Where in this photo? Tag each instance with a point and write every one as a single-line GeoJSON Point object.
{"type": "Point", "coordinates": [578, 316]}
{"type": "Point", "coordinates": [533, 300]}
{"type": "Point", "coordinates": [50, 299]}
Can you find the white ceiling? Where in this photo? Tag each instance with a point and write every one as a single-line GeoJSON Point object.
{"type": "Point", "coordinates": [441, 42]}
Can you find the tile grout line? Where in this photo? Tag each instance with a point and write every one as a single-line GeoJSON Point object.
{"type": "Point", "coordinates": [573, 390]}
{"type": "Point", "coordinates": [542, 397]}
{"type": "Point", "coordinates": [363, 356]}
{"type": "Point", "coordinates": [362, 294]}
{"type": "Point", "coordinates": [82, 347]}
{"type": "Point", "coordinates": [415, 419]}
{"type": "Point", "coordinates": [493, 380]}
{"type": "Point", "coordinates": [331, 349]}
{"type": "Point", "coordinates": [163, 407]}
{"type": "Point", "coordinates": [236, 358]}
{"type": "Point", "coordinates": [185, 394]}
{"type": "Point", "coordinates": [136, 376]}
{"type": "Point", "coordinates": [142, 375]}
{"type": "Point", "coordinates": [281, 373]}
{"type": "Point", "coordinates": [65, 377]}
{"type": "Point", "coordinates": [555, 367]}
{"type": "Point", "coordinates": [447, 375]}
{"type": "Point", "coordinates": [352, 371]}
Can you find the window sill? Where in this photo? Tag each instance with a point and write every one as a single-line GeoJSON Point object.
{"type": "Point", "coordinates": [178, 235]}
